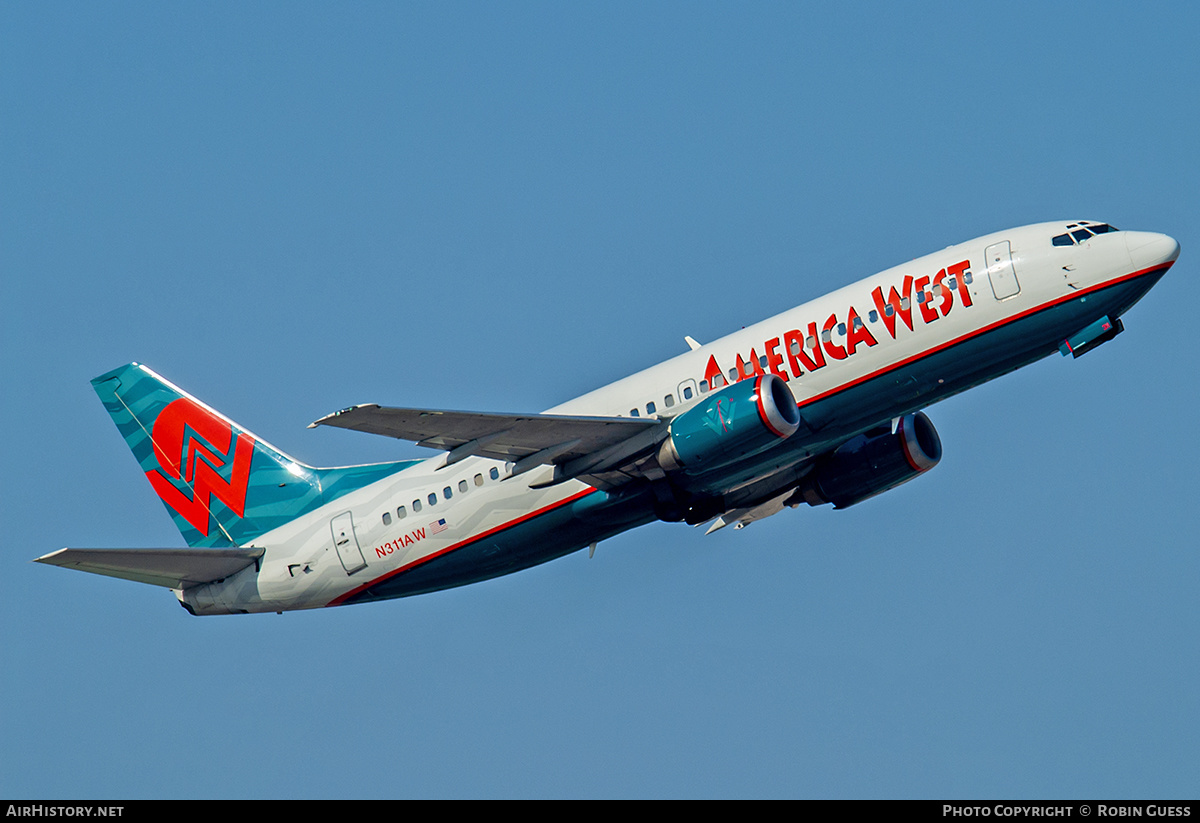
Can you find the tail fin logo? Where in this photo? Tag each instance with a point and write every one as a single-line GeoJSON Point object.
{"type": "Point", "coordinates": [199, 451]}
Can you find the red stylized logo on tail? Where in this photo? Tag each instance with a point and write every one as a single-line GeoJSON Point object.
{"type": "Point", "coordinates": [196, 446]}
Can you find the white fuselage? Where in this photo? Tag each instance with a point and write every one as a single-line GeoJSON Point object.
{"type": "Point", "coordinates": [856, 337]}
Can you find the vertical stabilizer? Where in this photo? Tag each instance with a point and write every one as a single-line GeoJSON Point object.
{"type": "Point", "coordinates": [222, 485]}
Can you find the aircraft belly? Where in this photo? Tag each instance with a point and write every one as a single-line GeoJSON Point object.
{"type": "Point", "coordinates": [521, 545]}
{"type": "Point", "coordinates": [947, 368]}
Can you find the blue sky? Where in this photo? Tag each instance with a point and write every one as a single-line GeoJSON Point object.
{"type": "Point", "coordinates": [290, 208]}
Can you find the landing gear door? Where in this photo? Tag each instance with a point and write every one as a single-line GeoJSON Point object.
{"type": "Point", "coordinates": [346, 543]}
{"type": "Point", "coordinates": [1000, 270]}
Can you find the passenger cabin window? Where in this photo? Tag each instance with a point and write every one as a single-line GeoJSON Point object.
{"type": "Point", "coordinates": [479, 480]}
{"type": "Point", "coordinates": [462, 485]}
{"type": "Point", "coordinates": [387, 518]}
{"type": "Point", "coordinates": [401, 512]}
{"type": "Point", "coordinates": [432, 498]}
{"type": "Point", "coordinates": [687, 392]}
{"type": "Point", "coordinates": [416, 506]}
{"type": "Point", "coordinates": [446, 493]}
{"type": "Point", "coordinates": [668, 401]}
{"type": "Point", "coordinates": [704, 387]}
{"type": "Point", "coordinates": [650, 407]}
{"type": "Point", "coordinates": [494, 473]}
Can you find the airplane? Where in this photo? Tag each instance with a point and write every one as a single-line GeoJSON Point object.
{"type": "Point", "coordinates": [818, 405]}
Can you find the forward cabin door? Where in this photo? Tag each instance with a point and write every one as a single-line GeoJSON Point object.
{"type": "Point", "coordinates": [1000, 270]}
{"type": "Point", "coordinates": [346, 543]}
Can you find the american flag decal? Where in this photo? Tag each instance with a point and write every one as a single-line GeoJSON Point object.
{"type": "Point", "coordinates": [437, 526]}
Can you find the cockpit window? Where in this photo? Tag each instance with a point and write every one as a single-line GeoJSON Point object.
{"type": "Point", "coordinates": [1081, 232]}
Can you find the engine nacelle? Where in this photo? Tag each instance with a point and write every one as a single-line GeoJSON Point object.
{"type": "Point", "coordinates": [727, 425]}
{"type": "Point", "coordinates": [873, 463]}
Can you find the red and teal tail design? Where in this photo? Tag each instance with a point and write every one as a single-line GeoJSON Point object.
{"type": "Point", "coordinates": [222, 485]}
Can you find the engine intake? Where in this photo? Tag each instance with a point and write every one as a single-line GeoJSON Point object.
{"type": "Point", "coordinates": [727, 425]}
{"type": "Point", "coordinates": [872, 463]}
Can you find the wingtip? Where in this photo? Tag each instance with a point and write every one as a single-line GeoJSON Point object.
{"type": "Point", "coordinates": [46, 558]}
{"type": "Point", "coordinates": [324, 421]}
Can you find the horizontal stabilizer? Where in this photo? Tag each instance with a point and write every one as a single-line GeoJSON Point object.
{"type": "Point", "coordinates": [172, 568]}
{"type": "Point", "coordinates": [508, 437]}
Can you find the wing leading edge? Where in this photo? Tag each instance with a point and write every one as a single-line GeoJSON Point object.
{"type": "Point", "coordinates": [577, 446]}
{"type": "Point", "coordinates": [171, 568]}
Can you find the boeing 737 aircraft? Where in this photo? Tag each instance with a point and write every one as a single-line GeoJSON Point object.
{"type": "Point", "coordinates": [820, 404]}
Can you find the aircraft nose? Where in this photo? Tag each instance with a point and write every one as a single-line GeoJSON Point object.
{"type": "Point", "coordinates": [1148, 249]}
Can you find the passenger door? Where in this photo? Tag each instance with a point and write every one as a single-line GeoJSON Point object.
{"type": "Point", "coordinates": [1000, 270]}
{"type": "Point", "coordinates": [346, 543]}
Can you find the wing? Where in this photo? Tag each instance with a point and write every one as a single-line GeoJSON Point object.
{"type": "Point", "coordinates": [577, 446]}
{"type": "Point", "coordinates": [172, 568]}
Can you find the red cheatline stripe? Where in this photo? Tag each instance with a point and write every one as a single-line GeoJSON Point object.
{"type": "Point", "coordinates": [762, 413]}
{"type": "Point", "coordinates": [1065, 299]}
{"type": "Point", "coordinates": [337, 601]}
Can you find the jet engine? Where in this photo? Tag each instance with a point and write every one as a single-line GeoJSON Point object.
{"type": "Point", "coordinates": [727, 425]}
{"type": "Point", "coordinates": [872, 463]}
